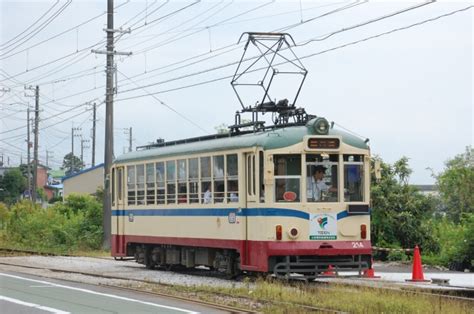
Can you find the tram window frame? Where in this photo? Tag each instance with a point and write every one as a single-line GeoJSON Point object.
{"type": "Point", "coordinates": [232, 178]}
{"type": "Point", "coordinates": [131, 189]}
{"type": "Point", "coordinates": [351, 160]}
{"type": "Point", "coordinates": [290, 181]}
{"type": "Point", "coordinates": [171, 182]}
{"type": "Point", "coordinates": [140, 177]}
{"type": "Point", "coordinates": [160, 182]}
{"type": "Point", "coordinates": [182, 176]}
{"type": "Point", "coordinates": [218, 178]}
{"type": "Point", "coordinates": [193, 180]}
{"type": "Point", "coordinates": [113, 187]}
{"type": "Point", "coordinates": [150, 183]}
{"type": "Point", "coordinates": [205, 172]}
{"type": "Point", "coordinates": [120, 184]}
{"type": "Point", "coordinates": [331, 176]}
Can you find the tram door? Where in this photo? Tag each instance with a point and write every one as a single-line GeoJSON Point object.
{"type": "Point", "coordinates": [252, 196]}
{"type": "Point", "coordinates": [120, 201]}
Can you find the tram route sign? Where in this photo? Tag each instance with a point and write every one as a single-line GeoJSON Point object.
{"type": "Point", "coordinates": [322, 227]}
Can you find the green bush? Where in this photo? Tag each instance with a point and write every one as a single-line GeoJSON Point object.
{"type": "Point", "coordinates": [456, 242]}
{"type": "Point", "coordinates": [73, 225]}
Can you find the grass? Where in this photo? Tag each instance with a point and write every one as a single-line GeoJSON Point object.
{"type": "Point", "coordinates": [278, 297]}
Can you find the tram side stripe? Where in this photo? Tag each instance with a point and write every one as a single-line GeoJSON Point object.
{"type": "Point", "coordinates": [251, 212]}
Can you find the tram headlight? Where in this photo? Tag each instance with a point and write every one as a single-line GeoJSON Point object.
{"type": "Point", "coordinates": [363, 231]}
{"type": "Point", "coordinates": [321, 126]}
{"type": "Point", "coordinates": [278, 232]}
{"type": "Point", "coordinates": [293, 233]}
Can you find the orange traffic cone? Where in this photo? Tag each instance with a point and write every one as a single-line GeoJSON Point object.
{"type": "Point", "coordinates": [370, 273]}
{"type": "Point", "coordinates": [417, 271]}
{"type": "Point", "coordinates": [329, 271]}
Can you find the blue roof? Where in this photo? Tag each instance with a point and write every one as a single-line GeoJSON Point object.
{"type": "Point", "coordinates": [82, 172]}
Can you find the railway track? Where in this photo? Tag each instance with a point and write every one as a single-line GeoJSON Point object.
{"type": "Point", "coordinates": [464, 295]}
{"type": "Point", "coordinates": [230, 309]}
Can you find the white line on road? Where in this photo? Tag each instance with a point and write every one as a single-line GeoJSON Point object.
{"type": "Point", "coordinates": [101, 294]}
{"type": "Point", "coordinates": [41, 307]}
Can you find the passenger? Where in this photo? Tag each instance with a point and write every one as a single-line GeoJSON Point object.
{"type": "Point", "coordinates": [207, 196]}
{"type": "Point", "coordinates": [316, 185]}
{"type": "Point", "coordinates": [234, 197]}
{"type": "Point", "coordinates": [233, 193]}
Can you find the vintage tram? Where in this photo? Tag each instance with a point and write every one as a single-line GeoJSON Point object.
{"type": "Point", "coordinates": [246, 201]}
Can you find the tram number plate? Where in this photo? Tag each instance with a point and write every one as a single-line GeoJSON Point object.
{"type": "Point", "coordinates": [357, 245]}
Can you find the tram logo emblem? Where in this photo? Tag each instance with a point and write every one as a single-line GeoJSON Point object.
{"type": "Point", "coordinates": [322, 221]}
{"type": "Point", "coordinates": [322, 227]}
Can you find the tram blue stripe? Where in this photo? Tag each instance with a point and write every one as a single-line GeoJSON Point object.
{"type": "Point", "coordinates": [193, 212]}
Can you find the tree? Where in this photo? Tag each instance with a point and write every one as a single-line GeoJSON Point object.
{"type": "Point", "coordinates": [399, 211]}
{"type": "Point", "coordinates": [72, 164]}
{"type": "Point", "coordinates": [456, 185]}
{"type": "Point", "coordinates": [12, 185]}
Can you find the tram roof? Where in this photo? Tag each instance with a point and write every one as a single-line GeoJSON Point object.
{"type": "Point", "coordinates": [268, 139]}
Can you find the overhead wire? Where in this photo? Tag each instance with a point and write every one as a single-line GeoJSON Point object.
{"type": "Point", "coordinates": [169, 107]}
{"type": "Point", "coordinates": [31, 25]}
{"type": "Point", "coordinates": [163, 43]}
{"type": "Point", "coordinates": [252, 58]}
{"type": "Point", "coordinates": [306, 56]}
{"type": "Point", "coordinates": [232, 46]}
{"type": "Point", "coordinates": [42, 26]}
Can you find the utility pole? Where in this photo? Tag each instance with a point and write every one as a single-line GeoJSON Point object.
{"type": "Point", "coordinates": [94, 108]}
{"type": "Point", "coordinates": [48, 154]}
{"type": "Point", "coordinates": [35, 148]}
{"type": "Point", "coordinates": [72, 138]}
{"type": "Point", "coordinates": [82, 149]}
{"type": "Point", "coordinates": [130, 138]}
{"type": "Point", "coordinates": [28, 143]}
{"type": "Point", "coordinates": [35, 152]}
{"type": "Point", "coordinates": [109, 117]}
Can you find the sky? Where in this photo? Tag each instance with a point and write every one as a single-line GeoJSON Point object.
{"type": "Point", "coordinates": [408, 90]}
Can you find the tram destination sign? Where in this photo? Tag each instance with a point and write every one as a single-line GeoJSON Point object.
{"type": "Point", "coordinates": [318, 143]}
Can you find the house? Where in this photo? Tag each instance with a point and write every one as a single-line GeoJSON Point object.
{"type": "Point", "coordinates": [86, 181]}
{"type": "Point", "coordinates": [427, 189]}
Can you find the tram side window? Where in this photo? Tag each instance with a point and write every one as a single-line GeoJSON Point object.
{"type": "Point", "coordinates": [218, 166]}
{"type": "Point", "coordinates": [193, 164]}
{"type": "Point", "coordinates": [150, 184]}
{"type": "Point", "coordinates": [206, 186]}
{"type": "Point", "coordinates": [113, 186]}
{"type": "Point", "coordinates": [171, 182]}
{"type": "Point", "coordinates": [140, 184]}
{"type": "Point", "coordinates": [182, 182]}
{"type": "Point", "coordinates": [321, 180]}
{"type": "Point", "coordinates": [287, 178]}
{"type": "Point", "coordinates": [131, 185]}
{"type": "Point", "coordinates": [353, 178]}
{"type": "Point", "coordinates": [119, 184]}
{"type": "Point", "coordinates": [232, 179]}
{"type": "Point", "coordinates": [160, 182]}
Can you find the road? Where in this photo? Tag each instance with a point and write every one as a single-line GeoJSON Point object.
{"type": "Point", "coordinates": [21, 293]}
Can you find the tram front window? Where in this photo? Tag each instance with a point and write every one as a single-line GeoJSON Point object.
{"type": "Point", "coordinates": [353, 178]}
{"type": "Point", "coordinates": [287, 178]}
{"type": "Point", "coordinates": [321, 180]}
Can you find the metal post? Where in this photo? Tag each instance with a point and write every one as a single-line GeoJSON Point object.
{"type": "Point", "coordinates": [35, 153]}
{"type": "Point", "coordinates": [130, 140]}
{"type": "Point", "coordinates": [28, 143]}
{"type": "Point", "coordinates": [93, 134]}
{"type": "Point", "coordinates": [72, 141]}
{"type": "Point", "coordinates": [109, 127]}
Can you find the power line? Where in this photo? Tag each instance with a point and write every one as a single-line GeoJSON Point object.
{"type": "Point", "coordinates": [42, 26]}
{"type": "Point", "coordinates": [169, 107]}
{"type": "Point", "coordinates": [367, 22]}
{"type": "Point", "coordinates": [307, 56]}
{"type": "Point", "coordinates": [63, 32]}
{"type": "Point", "coordinates": [234, 47]}
{"type": "Point", "coordinates": [31, 25]}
